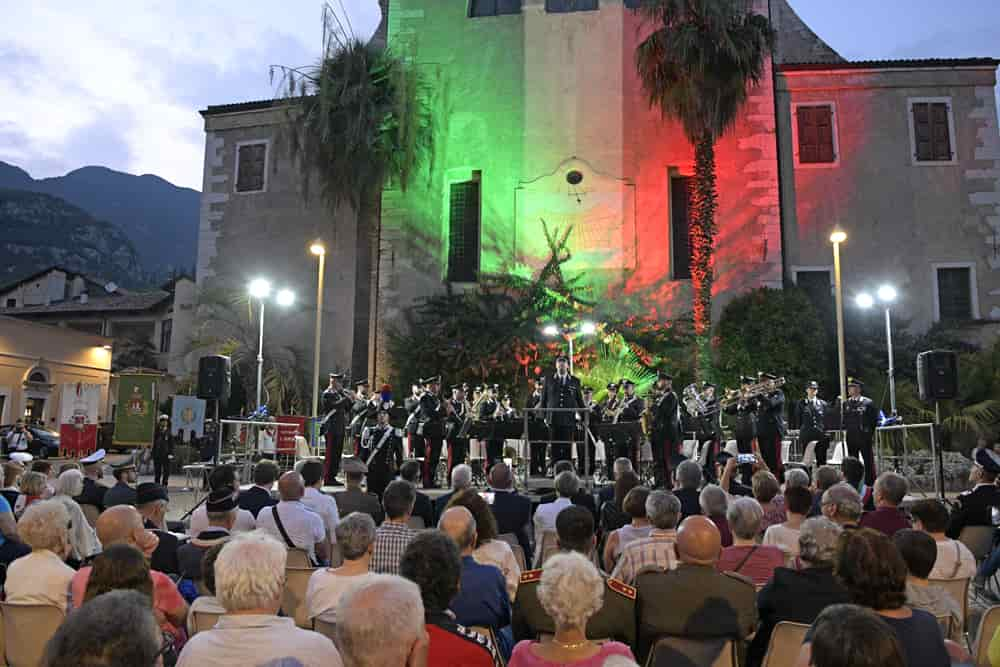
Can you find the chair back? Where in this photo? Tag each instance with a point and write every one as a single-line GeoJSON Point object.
{"type": "Point", "coordinates": [979, 540]}
{"type": "Point", "coordinates": [326, 628]}
{"type": "Point", "coordinates": [548, 547]}
{"type": "Point", "coordinates": [298, 558]}
{"type": "Point", "coordinates": [987, 628]}
{"type": "Point", "coordinates": [944, 622]}
{"type": "Point", "coordinates": [90, 512]}
{"type": "Point", "coordinates": [519, 557]}
{"type": "Point", "coordinates": [27, 629]}
{"type": "Point", "coordinates": [785, 643]}
{"type": "Point", "coordinates": [959, 590]}
{"type": "Point", "coordinates": [673, 651]}
{"type": "Point", "coordinates": [293, 601]}
{"type": "Point", "coordinates": [416, 523]}
{"type": "Point", "coordinates": [336, 557]}
{"type": "Point", "coordinates": [203, 620]}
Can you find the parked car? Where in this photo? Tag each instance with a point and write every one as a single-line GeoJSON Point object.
{"type": "Point", "coordinates": [44, 443]}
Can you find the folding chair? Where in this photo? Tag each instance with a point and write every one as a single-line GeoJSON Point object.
{"type": "Point", "coordinates": [326, 628]}
{"type": "Point", "coordinates": [958, 589]}
{"type": "Point", "coordinates": [293, 601]}
{"type": "Point", "coordinates": [549, 545]}
{"type": "Point", "coordinates": [297, 558]}
{"type": "Point", "coordinates": [91, 512]}
{"type": "Point", "coordinates": [27, 629]}
{"type": "Point", "coordinates": [203, 620]}
{"type": "Point", "coordinates": [944, 622]}
{"type": "Point", "coordinates": [672, 651]}
{"type": "Point", "coordinates": [519, 556]}
{"type": "Point", "coordinates": [987, 628]}
{"type": "Point", "coordinates": [785, 643]}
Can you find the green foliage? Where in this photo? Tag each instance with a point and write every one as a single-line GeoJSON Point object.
{"type": "Point", "coordinates": [133, 351]}
{"type": "Point", "coordinates": [615, 361]}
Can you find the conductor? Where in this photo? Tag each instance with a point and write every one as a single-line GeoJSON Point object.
{"type": "Point", "coordinates": [562, 390]}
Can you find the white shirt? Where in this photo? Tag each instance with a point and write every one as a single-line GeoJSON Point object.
{"type": "Point", "coordinates": [258, 640]}
{"type": "Point", "coordinates": [325, 590]}
{"type": "Point", "coordinates": [17, 441]}
{"type": "Point", "coordinates": [499, 554]}
{"type": "Point", "coordinates": [304, 527]}
{"type": "Point", "coordinates": [545, 520]}
{"type": "Point", "coordinates": [41, 577]}
{"type": "Point", "coordinates": [783, 537]}
{"type": "Point", "coordinates": [325, 506]}
{"type": "Point", "coordinates": [949, 551]}
{"type": "Point", "coordinates": [199, 521]}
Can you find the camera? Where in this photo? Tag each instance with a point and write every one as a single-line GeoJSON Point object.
{"type": "Point", "coordinates": [743, 459]}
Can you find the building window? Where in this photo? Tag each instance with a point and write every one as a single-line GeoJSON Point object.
{"type": "Point", "coordinates": [816, 140]}
{"type": "Point", "coordinates": [633, 4]}
{"type": "Point", "coordinates": [562, 6]}
{"type": "Point", "coordinates": [463, 230]}
{"type": "Point", "coordinates": [816, 284]}
{"type": "Point", "coordinates": [166, 328]}
{"type": "Point", "coordinates": [479, 8]}
{"type": "Point", "coordinates": [12, 303]}
{"type": "Point", "coordinates": [955, 292]}
{"type": "Point", "coordinates": [932, 130]}
{"type": "Point", "coordinates": [251, 167]}
{"type": "Point", "coordinates": [680, 227]}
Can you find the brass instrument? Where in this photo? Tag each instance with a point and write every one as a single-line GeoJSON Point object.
{"type": "Point", "coordinates": [470, 416]}
{"type": "Point", "coordinates": [697, 402]}
{"type": "Point", "coordinates": [734, 396]}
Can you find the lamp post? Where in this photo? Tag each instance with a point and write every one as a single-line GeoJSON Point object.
{"type": "Point", "coordinates": [318, 249]}
{"type": "Point", "coordinates": [570, 334]}
{"type": "Point", "coordinates": [836, 238]}
{"type": "Point", "coordinates": [260, 289]}
{"type": "Point", "coordinates": [887, 295]}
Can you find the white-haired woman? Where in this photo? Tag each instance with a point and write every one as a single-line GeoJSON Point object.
{"type": "Point", "coordinates": [83, 540]}
{"type": "Point", "coordinates": [42, 577]}
{"type": "Point", "coordinates": [571, 591]}
{"type": "Point", "coordinates": [746, 557]}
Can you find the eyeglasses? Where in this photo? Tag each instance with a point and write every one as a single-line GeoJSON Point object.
{"type": "Point", "coordinates": [166, 645]}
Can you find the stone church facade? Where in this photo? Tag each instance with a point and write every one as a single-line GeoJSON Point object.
{"type": "Point", "coordinates": [540, 122]}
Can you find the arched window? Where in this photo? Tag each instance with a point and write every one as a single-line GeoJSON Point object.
{"type": "Point", "coordinates": [38, 375]}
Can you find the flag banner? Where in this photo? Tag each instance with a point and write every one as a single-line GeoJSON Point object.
{"type": "Point", "coordinates": [290, 426]}
{"type": "Point", "coordinates": [187, 417]}
{"type": "Point", "coordinates": [78, 418]}
{"type": "Point", "coordinates": [135, 417]}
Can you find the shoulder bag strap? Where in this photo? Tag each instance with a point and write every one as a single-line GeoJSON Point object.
{"type": "Point", "coordinates": [958, 560]}
{"type": "Point", "coordinates": [281, 527]}
{"type": "Point", "coordinates": [745, 559]}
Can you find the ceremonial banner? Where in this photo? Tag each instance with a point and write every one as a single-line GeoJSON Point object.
{"type": "Point", "coordinates": [136, 415]}
{"type": "Point", "coordinates": [78, 418]}
{"type": "Point", "coordinates": [290, 426]}
{"type": "Point", "coordinates": [188, 415]}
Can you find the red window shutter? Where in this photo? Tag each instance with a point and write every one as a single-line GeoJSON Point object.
{"type": "Point", "coordinates": [815, 125]}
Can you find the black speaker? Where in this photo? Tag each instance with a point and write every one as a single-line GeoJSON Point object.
{"type": "Point", "coordinates": [937, 375]}
{"type": "Point", "coordinates": [214, 377]}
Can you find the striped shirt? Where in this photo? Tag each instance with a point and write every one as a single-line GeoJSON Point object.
{"type": "Point", "coordinates": [391, 540]}
{"type": "Point", "coordinates": [654, 552]}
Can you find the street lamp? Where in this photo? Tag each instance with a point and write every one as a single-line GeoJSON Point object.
{"type": "Point", "coordinates": [260, 289]}
{"type": "Point", "coordinates": [836, 238]}
{"type": "Point", "coordinates": [886, 295]}
{"type": "Point", "coordinates": [569, 334]}
{"type": "Point", "coordinates": [319, 250]}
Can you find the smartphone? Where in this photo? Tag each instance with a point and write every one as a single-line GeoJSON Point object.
{"type": "Point", "coordinates": [488, 496]}
{"type": "Point", "coordinates": [743, 459]}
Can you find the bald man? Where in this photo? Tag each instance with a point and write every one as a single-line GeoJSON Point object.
{"type": "Point", "coordinates": [482, 598]}
{"type": "Point", "coordinates": [122, 524]}
{"type": "Point", "coordinates": [695, 600]}
{"type": "Point", "coordinates": [511, 510]}
{"type": "Point", "coordinates": [292, 523]}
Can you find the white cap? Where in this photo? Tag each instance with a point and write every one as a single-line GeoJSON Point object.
{"type": "Point", "coordinates": [96, 457]}
{"type": "Point", "coordinates": [21, 457]}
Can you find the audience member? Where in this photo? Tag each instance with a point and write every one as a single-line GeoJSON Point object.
{"type": "Point", "coordinates": [846, 634]}
{"type": "Point", "coordinates": [919, 552]}
{"type": "Point", "coordinates": [152, 502]}
{"type": "Point", "coordinates": [567, 484]}
{"type": "Point", "coordinates": [841, 504]}
{"type": "Point", "coordinates": [796, 477]}
{"type": "Point", "coordinates": [356, 538]}
{"type": "Point", "coordinates": [461, 479]}
{"type": "Point", "coordinates": [890, 489]}
{"type": "Point", "coordinates": [221, 517]}
{"type": "Point", "coordinates": [785, 535]}
{"type": "Point", "coordinates": [33, 487]}
{"type": "Point", "coordinates": [606, 493]}
{"type": "Point", "coordinates": [800, 595]}
{"type": "Point", "coordinates": [695, 599]}
{"type": "Point", "coordinates": [767, 492]}
{"type": "Point", "coordinates": [223, 477]}
{"type": "Point", "coordinates": [725, 472]}
{"type": "Point", "coordinates": [638, 528]}
{"type": "Point", "coordinates": [571, 591]}
{"type": "Point", "coordinates": [207, 603]}
{"type": "Point", "coordinates": [714, 503]}
{"type": "Point", "coordinates": [688, 480]}
{"type": "Point", "coordinates": [394, 534]}
{"type": "Point", "coordinates": [250, 581]}
{"type": "Point", "coordinates": [82, 537]}
{"type": "Point", "coordinates": [746, 557]}
{"type": "Point", "coordinates": [292, 523]}
{"type": "Point", "coordinates": [853, 471]}
{"type": "Point", "coordinates": [582, 497]}
{"type": "Point", "coordinates": [45, 468]}
{"type": "Point", "coordinates": [11, 546]}
{"type": "Point", "coordinates": [259, 496]}
{"type": "Point", "coordinates": [119, 567]}
{"type": "Point", "coordinates": [12, 471]}
{"type": "Point", "coordinates": [433, 563]}
{"type": "Point", "coordinates": [42, 577]}
{"type": "Point", "coordinates": [379, 607]}
{"type": "Point", "coordinates": [616, 617]}
{"type": "Point", "coordinates": [975, 507]}
{"type": "Point", "coordinates": [93, 635]}
{"type": "Point", "coordinates": [122, 493]}
{"type": "Point", "coordinates": [93, 472]}
{"type": "Point", "coordinates": [657, 550]}
{"type": "Point", "coordinates": [316, 500]}
{"type": "Point", "coordinates": [826, 476]}
{"type": "Point", "coordinates": [423, 506]}
{"type": "Point", "coordinates": [511, 509]}
{"type": "Point", "coordinates": [488, 550]}
{"type": "Point", "coordinates": [613, 515]}
{"type": "Point", "coordinates": [954, 560]}
{"type": "Point", "coordinates": [354, 498]}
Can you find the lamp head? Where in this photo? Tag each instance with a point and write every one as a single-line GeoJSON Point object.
{"type": "Point", "coordinates": [864, 300]}
{"type": "Point", "coordinates": [285, 297]}
{"type": "Point", "coordinates": [588, 328]}
{"type": "Point", "coordinates": [260, 288]}
{"type": "Point", "coordinates": [838, 237]}
{"type": "Point", "coordinates": [317, 248]}
{"type": "Point", "coordinates": [886, 293]}
{"type": "Point", "coordinates": [550, 330]}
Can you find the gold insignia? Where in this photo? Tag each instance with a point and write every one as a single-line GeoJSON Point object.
{"type": "Point", "coordinates": [622, 588]}
{"type": "Point", "coordinates": [529, 576]}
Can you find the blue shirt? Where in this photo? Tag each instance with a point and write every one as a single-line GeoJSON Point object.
{"type": "Point", "coordinates": [4, 509]}
{"type": "Point", "coordinates": [483, 600]}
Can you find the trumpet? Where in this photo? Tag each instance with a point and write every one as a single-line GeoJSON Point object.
{"type": "Point", "coordinates": [734, 396]}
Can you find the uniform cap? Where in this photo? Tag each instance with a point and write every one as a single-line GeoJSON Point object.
{"type": "Point", "coordinates": [221, 500]}
{"type": "Point", "coordinates": [612, 385]}
{"type": "Point", "coordinates": [812, 385]}
{"type": "Point", "coordinates": [96, 457]}
{"type": "Point", "coordinates": [663, 375]}
{"type": "Point", "coordinates": [337, 376]}
{"type": "Point", "coordinates": [854, 382]}
{"type": "Point", "coordinates": [21, 457]}
{"type": "Point", "coordinates": [147, 492]}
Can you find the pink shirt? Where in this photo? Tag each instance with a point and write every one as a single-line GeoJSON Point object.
{"type": "Point", "coordinates": [758, 566]}
{"type": "Point", "coordinates": [523, 656]}
{"type": "Point", "coordinates": [166, 598]}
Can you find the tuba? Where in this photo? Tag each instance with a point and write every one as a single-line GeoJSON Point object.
{"type": "Point", "coordinates": [694, 401]}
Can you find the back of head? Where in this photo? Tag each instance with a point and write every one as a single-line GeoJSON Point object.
{"type": "Point", "coordinates": [745, 517]}
{"type": "Point", "coordinates": [70, 483]}
{"type": "Point", "coordinates": [398, 499]}
{"type": "Point", "coordinates": [765, 486]}
{"type": "Point", "coordinates": [796, 477]}
{"type": "Point", "coordinates": [33, 483]}
{"type": "Point", "coordinates": [458, 524]}
{"type": "Point", "coordinates": [120, 566]}
{"type": "Point", "coordinates": [312, 472]}
{"type": "Point", "coordinates": [222, 476]}
{"type": "Point", "coordinates": [621, 465]}
{"type": "Point", "coordinates": [571, 590]}
{"type": "Point", "coordinates": [381, 606]}
{"type": "Point", "coordinates": [635, 502]}
{"type": "Point", "coordinates": [117, 525]}
{"type": "Point", "coordinates": [291, 486]}
{"type": "Point", "coordinates": [562, 466]}
{"type": "Point", "coordinates": [250, 572]}
{"type": "Point", "coordinates": [870, 567]}
{"type": "Point", "coordinates": [92, 636]}
{"type": "Point", "coordinates": [846, 500]}
{"type": "Point", "coordinates": [689, 474]}
{"type": "Point", "coordinates": [846, 634]}
{"type": "Point", "coordinates": [567, 484]}
{"type": "Point", "coordinates": [575, 529]}
{"type": "Point", "coordinates": [355, 534]}
{"type": "Point", "coordinates": [44, 526]}
{"type": "Point", "coordinates": [698, 541]}
{"type": "Point", "coordinates": [826, 477]}
{"type": "Point", "coordinates": [853, 470]}
{"type": "Point", "coordinates": [486, 523]}
{"type": "Point", "coordinates": [39, 465]}
{"type": "Point", "coordinates": [663, 509]}
{"type": "Point", "coordinates": [624, 483]}
{"type": "Point", "coordinates": [501, 477]}
{"type": "Point", "coordinates": [931, 513]}
{"type": "Point", "coordinates": [461, 477]}
{"type": "Point", "coordinates": [410, 471]}
{"type": "Point", "coordinates": [918, 549]}
{"type": "Point", "coordinates": [818, 540]}
{"type": "Point", "coordinates": [265, 473]}
{"type": "Point", "coordinates": [891, 488]}
{"type": "Point", "coordinates": [713, 501]}
{"type": "Point", "coordinates": [798, 500]}
{"type": "Point", "coordinates": [12, 470]}
{"type": "Point", "coordinates": [432, 562]}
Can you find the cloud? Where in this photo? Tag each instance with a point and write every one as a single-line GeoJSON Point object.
{"type": "Point", "coordinates": [120, 84]}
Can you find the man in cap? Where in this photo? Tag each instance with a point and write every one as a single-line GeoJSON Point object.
{"type": "Point", "coordinates": [152, 501]}
{"type": "Point", "coordinates": [163, 448]}
{"type": "Point", "coordinates": [745, 427]}
{"type": "Point", "coordinates": [666, 432]}
{"type": "Point", "coordinates": [593, 411]}
{"type": "Point", "coordinates": [382, 450]}
{"type": "Point", "coordinates": [354, 498]}
{"type": "Point", "coordinates": [562, 391]}
{"type": "Point", "coordinates": [609, 413]}
{"type": "Point", "coordinates": [221, 517]}
{"type": "Point", "coordinates": [363, 412]}
{"type": "Point", "coordinates": [93, 490]}
{"type": "Point", "coordinates": [411, 404]}
{"type": "Point", "coordinates": [975, 507]}
{"type": "Point", "coordinates": [431, 414]}
{"type": "Point", "coordinates": [536, 397]}
{"type": "Point", "coordinates": [489, 411]}
{"type": "Point", "coordinates": [630, 412]}
{"type": "Point", "coordinates": [810, 414]}
{"type": "Point", "coordinates": [122, 493]}
{"type": "Point", "coordinates": [458, 447]}
{"type": "Point", "coordinates": [771, 423]}
{"type": "Point", "coordinates": [336, 404]}
{"type": "Point", "coordinates": [860, 420]}
{"type": "Point", "coordinates": [709, 430]}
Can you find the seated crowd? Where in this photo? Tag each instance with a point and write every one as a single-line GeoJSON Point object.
{"type": "Point", "coordinates": [478, 578]}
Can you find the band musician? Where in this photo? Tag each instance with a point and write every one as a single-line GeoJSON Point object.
{"type": "Point", "coordinates": [709, 429]}
{"type": "Point", "coordinates": [336, 403]}
{"type": "Point", "coordinates": [630, 411]}
{"type": "Point", "coordinates": [431, 414]}
{"type": "Point", "coordinates": [860, 420]}
{"type": "Point", "coordinates": [458, 447]}
{"type": "Point", "coordinates": [810, 417]}
{"type": "Point", "coordinates": [364, 412]}
{"type": "Point", "coordinates": [410, 404]}
{"type": "Point", "coordinates": [609, 412]}
{"type": "Point", "coordinates": [590, 415]}
{"type": "Point", "coordinates": [490, 411]}
{"type": "Point", "coordinates": [666, 435]}
{"type": "Point", "coordinates": [562, 390]}
{"type": "Point", "coordinates": [745, 424]}
{"type": "Point", "coordinates": [382, 450]}
{"type": "Point", "coordinates": [771, 423]}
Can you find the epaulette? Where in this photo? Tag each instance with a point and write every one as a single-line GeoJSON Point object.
{"type": "Point", "coordinates": [622, 588]}
{"type": "Point", "coordinates": [740, 577]}
{"type": "Point", "coordinates": [530, 576]}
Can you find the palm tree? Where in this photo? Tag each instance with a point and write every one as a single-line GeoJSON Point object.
{"type": "Point", "coordinates": [358, 120]}
{"type": "Point", "coordinates": [696, 67]}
